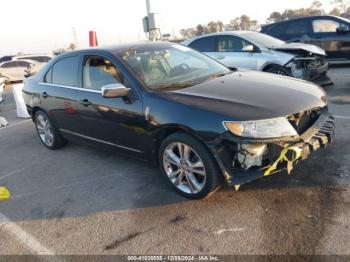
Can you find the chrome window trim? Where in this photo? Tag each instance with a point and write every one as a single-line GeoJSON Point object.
{"type": "Point", "coordinates": [71, 87]}
{"type": "Point", "coordinates": [100, 141]}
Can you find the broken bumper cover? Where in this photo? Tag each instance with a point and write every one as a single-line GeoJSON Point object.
{"type": "Point", "coordinates": [319, 76]}
{"type": "Point", "coordinates": [290, 151]}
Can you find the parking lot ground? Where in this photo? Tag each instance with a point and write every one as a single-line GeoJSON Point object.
{"type": "Point", "coordinates": [80, 200]}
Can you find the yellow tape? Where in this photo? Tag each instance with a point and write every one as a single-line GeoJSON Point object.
{"type": "Point", "coordinates": [4, 193]}
{"type": "Point", "coordinates": [283, 157]}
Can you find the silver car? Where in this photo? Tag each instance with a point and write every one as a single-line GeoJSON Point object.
{"type": "Point", "coordinates": [16, 70]}
{"type": "Point", "coordinates": [256, 51]}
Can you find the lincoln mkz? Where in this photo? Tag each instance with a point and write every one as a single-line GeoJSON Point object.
{"type": "Point", "coordinates": [199, 121]}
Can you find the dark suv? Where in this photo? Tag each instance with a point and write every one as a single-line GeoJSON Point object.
{"type": "Point", "coordinates": [331, 33]}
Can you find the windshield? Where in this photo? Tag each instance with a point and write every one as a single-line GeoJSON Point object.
{"type": "Point", "coordinates": [262, 39]}
{"type": "Point", "coordinates": [171, 65]}
{"type": "Point", "coordinates": [344, 19]}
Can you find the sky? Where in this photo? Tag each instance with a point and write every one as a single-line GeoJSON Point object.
{"type": "Point", "coordinates": [39, 26]}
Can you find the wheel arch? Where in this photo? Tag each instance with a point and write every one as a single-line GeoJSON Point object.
{"type": "Point", "coordinates": [34, 110]}
{"type": "Point", "coordinates": [269, 65]}
{"type": "Point", "coordinates": [167, 130]}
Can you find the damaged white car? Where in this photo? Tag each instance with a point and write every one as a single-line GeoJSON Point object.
{"type": "Point", "coordinates": [256, 51]}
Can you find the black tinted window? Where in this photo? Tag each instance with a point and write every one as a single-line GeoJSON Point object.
{"type": "Point", "coordinates": [23, 63]}
{"type": "Point", "coordinates": [300, 27]}
{"type": "Point", "coordinates": [206, 44]}
{"type": "Point", "coordinates": [275, 29]}
{"type": "Point", "coordinates": [41, 59]}
{"type": "Point", "coordinates": [9, 65]}
{"type": "Point", "coordinates": [65, 72]}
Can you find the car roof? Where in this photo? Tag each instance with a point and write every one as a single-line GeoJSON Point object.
{"type": "Point", "coordinates": [20, 57]}
{"type": "Point", "coordinates": [303, 18]}
{"type": "Point", "coordinates": [121, 47]}
{"type": "Point", "coordinates": [25, 60]}
{"type": "Point", "coordinates": [241, 33]}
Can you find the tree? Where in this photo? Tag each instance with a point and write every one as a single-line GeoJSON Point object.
{"type": "Point", "coordinates": [215, 26]}
{"type": "Point", "coordinates": [335, 11]}
{"type": "Point", "coordinates": [72, 47]}
{"type": "Point", "coordinates": [342, 5]}
{"type": "Point", "coordinates": [314, 9]}
{"type": "Point", "coordinates": [275, 17]}
{"type": "Point", "coordinates": [201, 29]}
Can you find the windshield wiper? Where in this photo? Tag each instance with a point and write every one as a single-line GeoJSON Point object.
{"type": "Point", "coordinates": [217, 75]}
{"type": "Point", "coordinates": [172, 85]}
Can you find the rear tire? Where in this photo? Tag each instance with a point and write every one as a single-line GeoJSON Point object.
{"type": "Point", "coordinates": [189, 166]}
{"type": "Point", "coordinates": [47, 132]}
{"type": "Point", "coordinates": [277, 69]}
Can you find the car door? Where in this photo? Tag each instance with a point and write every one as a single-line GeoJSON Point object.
{"type": "Point", "coordinates": [230, 51]}
{"type": "Point", "coordinates": [58, 92]}
{"type": "Point", "coordinates": [118, 121]}
{"type": "Point", "coordinates": [325, 35]}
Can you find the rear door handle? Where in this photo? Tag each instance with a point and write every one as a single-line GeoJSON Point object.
{"type": "Point", "coordinates": [45, 95]}
{"type": "Point", "coordinates": [85, 102]}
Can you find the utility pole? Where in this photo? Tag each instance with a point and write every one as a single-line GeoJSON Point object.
{"type": "Point", "coordinates": [150, 24]}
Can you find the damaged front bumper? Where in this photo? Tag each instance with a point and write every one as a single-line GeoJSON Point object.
{"type": "Point", "coordinates": [312, 69]}
{"type": "Point", "coordinates": [244, 160]}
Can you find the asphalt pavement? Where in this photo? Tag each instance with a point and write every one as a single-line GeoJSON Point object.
{"type": "Point", "coordinates": [80, 200]}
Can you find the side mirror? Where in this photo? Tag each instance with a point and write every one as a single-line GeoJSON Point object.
{"type": "Point", "coordinates": [248, 48]}
{"type": "Point", "coordinates": [114, 90]}
{"type": "Point", "coordinates": [343, 29]}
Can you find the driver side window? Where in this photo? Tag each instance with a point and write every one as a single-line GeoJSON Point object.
{"type": "Point", "coordinates": [325, 26]}
{"type": "Point", "coordinates": [98, 71]}
{"type": "Point", "coordinates": [231, 44]}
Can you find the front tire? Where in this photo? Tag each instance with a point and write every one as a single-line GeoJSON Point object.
{"type": "Point", "coordinates": [189, 166]}
{"type": "Point", "coordinates": [277, 69]}
{"type": "Point", "coordinates": [47, 132]}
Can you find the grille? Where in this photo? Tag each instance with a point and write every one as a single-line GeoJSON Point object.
{"type": "Point", "coordinates": [304, 120]}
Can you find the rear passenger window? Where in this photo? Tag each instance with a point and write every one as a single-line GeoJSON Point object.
{"type": "Point", "coordinates": [65, 72]}
{"type": "Point", "coordinates": [276, 29]}
{"type": "Point", "coordinates": [301, 27]}
{"type": "Point", "coordinates": [229, 43]}
{"type": "Point", "coordinates": [205, 44]}
{"type": "Point", "coordinates": [9, 65]}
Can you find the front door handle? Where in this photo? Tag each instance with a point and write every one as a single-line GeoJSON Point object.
{"type": "Point", "coordinates": [85, 102]}
{"type": "Point", "coordinates": [220, 57]}
{"type": "Point", "coordinates": [45, 95]}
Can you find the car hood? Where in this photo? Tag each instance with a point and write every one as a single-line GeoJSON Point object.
{"type": "Point", "coordinates": [294, 47]}
{"type": "Point", "coordinates": [251, 95]}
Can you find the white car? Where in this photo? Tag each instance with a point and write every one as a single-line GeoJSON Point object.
{"type": "Point", "coordinates": [41, 58]}
{"type": "Point", "coordinates": [16, 70]}
{"type": "Point", "coordinates": [255, 51]}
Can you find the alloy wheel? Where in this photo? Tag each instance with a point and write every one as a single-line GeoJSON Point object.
{"type": "Point", "coordinates": [184, 168]}
{"type": "Point", "coordinates": [45, 130]}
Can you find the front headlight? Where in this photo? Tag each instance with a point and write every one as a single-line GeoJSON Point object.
{"type": "Point", "coordinates": [269, 128]}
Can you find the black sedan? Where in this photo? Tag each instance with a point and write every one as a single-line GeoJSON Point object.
{"type": "Point", "coordinates": [331, 33]}
{"type": "Point", "coordinates": [166, 103]}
